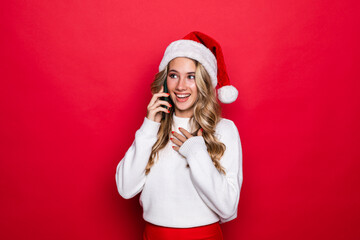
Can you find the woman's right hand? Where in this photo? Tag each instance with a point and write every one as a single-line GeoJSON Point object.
{"type": "Point", "coordinates": [154, 109]}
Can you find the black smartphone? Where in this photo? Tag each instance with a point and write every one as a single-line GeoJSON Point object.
{"type": "Point", "coordinates": [165, 98]}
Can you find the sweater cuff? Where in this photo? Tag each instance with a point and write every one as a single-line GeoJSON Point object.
{"type": "Point", "coordinates": [149, 127]}
{"type": "Point", "coordinates": [192, 145]}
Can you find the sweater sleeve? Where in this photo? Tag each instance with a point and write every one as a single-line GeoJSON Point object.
{"type": "Point", "coordinates": [220, 192]}
{"type": "Point", "coordinates": [130, 171]}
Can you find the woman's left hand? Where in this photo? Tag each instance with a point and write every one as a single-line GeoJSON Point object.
{"type": "Point", "coordinates": [179, 139]}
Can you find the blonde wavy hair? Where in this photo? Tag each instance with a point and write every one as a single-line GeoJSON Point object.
{"type": "Point", "coordinates": [207, 114]}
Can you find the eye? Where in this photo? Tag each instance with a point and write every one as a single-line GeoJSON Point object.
{"type": "Point", "coordinates": [191, 77]}
{"type": "Point", "coordinates": [172, 75]}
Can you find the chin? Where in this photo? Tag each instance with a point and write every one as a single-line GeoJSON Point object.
{"type": "Point", "coordinates": [184, 107]}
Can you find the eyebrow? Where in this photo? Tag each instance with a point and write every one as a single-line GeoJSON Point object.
{"type": "Point", "coordinates": [172, 70]}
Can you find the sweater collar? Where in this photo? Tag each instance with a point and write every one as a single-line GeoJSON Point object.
{"type": "Point", "coordinates": [181, 122]}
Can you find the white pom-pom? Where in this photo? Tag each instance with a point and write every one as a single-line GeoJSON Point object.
{"type": "Point", "coordinates": [227, 94]}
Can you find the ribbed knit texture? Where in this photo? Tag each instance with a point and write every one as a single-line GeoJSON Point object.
{"type": "Point", "coordinates": [173, 195]}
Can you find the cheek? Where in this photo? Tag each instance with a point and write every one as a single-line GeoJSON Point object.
{"type": "Point", "coordinates": [193, 88]}
{"type": "Point", "coordinates": [171, 83]}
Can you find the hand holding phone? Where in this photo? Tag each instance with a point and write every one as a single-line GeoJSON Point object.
{"type": "Point", "coordinates": [158, 107]}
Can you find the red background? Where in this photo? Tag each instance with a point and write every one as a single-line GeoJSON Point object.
{"type": "Point", "coordinates": [75, 78]}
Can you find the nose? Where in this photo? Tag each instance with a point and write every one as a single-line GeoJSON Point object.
{"type": "Point", "coordinates": [181, 84]}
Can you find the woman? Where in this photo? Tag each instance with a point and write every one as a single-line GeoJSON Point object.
{"type": "Point", "coordinates": [185, 159]}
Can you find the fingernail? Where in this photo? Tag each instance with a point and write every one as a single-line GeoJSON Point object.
{"type": "Point", "coordinates": [179, 128]}
{"type": "Point", "coordinates": [170, 105]}
{"type": "Point", "coordinates": [171, 138]}
{"type": "Point", "coordinates": [173, 146]}
{"type": "Point", "coordinates": [172, 132]}
{"type": "Point", "coordinates": [168, 94]}
{"type": "Point", "coordinates": [202, 129]}
{"type": "Point", "coordinates": [168, 111]}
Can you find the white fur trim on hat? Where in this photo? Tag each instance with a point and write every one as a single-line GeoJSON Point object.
{"type": "Point", "coordinates": [227, 94]}
{"type": "Point", "coordinates": [193, 50]}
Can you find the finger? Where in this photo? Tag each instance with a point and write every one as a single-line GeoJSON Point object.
{"type": "Point", "coordinates": [200, 132]}
{"type": "Point", "coordinates": [186, 133]}
{"type": "Point", "coordinates": [156, 96]}
{"type": "Point", "coordinates": [176, 148]}
{"type": "Point", "coordinates": [161, 94]}
{"type": "Point", "coordinates": [179, 136]}
{"type": "Point", "coordinates": [161, 102]}
{"type": "Point", "coordinates": [176, 141]}
{"type": "Point", "coordinates": [160, 109]}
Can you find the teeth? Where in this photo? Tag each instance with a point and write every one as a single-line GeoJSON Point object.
{"type": "Point", "coordinates": [183, 95]}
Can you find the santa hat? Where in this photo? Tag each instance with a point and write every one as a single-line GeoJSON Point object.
{"type": "Point", "coordinates": [207, 51]}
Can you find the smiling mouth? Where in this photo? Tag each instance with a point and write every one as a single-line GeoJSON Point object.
{"type": "Point", "coordinates": [182, 97]}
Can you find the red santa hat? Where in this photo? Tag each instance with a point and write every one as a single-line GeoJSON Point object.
{"type": "Point", "coordinates": [207, 51]}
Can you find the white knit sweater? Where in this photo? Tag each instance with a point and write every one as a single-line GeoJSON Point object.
{"type": "Point", "coordinates": [174, 195]}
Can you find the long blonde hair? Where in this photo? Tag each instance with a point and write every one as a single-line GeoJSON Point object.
{"type": "Point", "coordinates": [207, 114]}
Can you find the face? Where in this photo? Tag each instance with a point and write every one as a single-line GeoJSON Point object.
{"type": "Point", "coordinates": [182, 86]}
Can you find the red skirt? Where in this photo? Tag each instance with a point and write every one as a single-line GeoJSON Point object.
{"type": "Point", "coordinates": [207, 232]}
